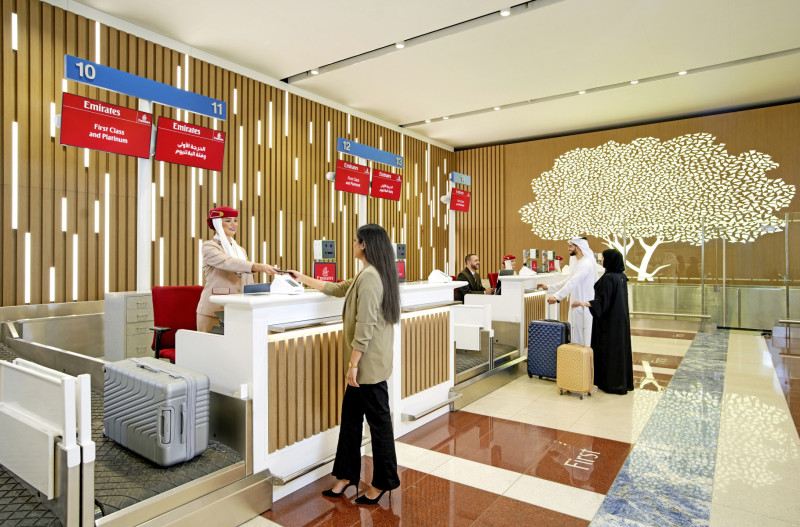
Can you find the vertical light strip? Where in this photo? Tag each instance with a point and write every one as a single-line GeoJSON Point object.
{"type": "Point", "coordinates": [235, 101]}
{"type": "Point", "coordinates": [86, 158]}
{"type": "Point", "coordinates": [433, 260]}
{"type": "Point", "coordinates": [380, 212]}
{"type": "Point", "coordinates": [253, 246]}
{"type": "Point", "coordinates": [310, 133]}
{"type": "Point", "coordinates": [296, 168]}
{"type": "Point", "coordinates": [405, 228]}
{"type": "Point", "coordinates": [258, 182]}
{"type": "Point", "coordinates": [348, 123]}
{"type": "Point", "coordinates": [264, 259]}
{"type": "Point", "coordinates": [300, 243]}
{"type": "Point", "coordinates": [259, 132]}
{"type": "Point", "coordinates": [280, 233]}
{"type": "Point", "coordinates": [402, 136]}
{"type": "Point", "coordinates": [233, 196]}
{"type": "Point", "coordinates": [153, 213]}
{"type": "Point", "coordinates": [333, 208]}
{"type": "Point", "coordinates": [199, 262]}
{"type": "Point", "coordinates": [286, 114]}
{"type": "Point", "coordinates": [107, 233]}
{"type": "Point", "coordinates": [214, 187]}
{"type": "Point", "coordinates": [178, 84]}
{"type": "Point", "coordinates": [64, 214]}
{"type": "Point", "coordinates": [27, 268]}
{"type": "Point", "coordinates": [241, 161]}
{"type": "Point", "coordinates": [328, 142]}
{"type": "Point", "coordinates": [344, 245]}
{"type": "Point", "coordinates": [14, 173]}
{"type": "Point", "coordinates": [97, 216]}
{"type": "Point", "coordinates": [161, 261]}
{"type": "Point", "coordinates": [380, 142]}
{"type": "Point", "coordinates": [52, 284]}
{"type": "Point", "coordinates": [214, 124]}
{"type": "Point", "coordinates": [200, 177]}
{"type": "Point", "coordinates": [64, 85]}
{"type": "Point", "coordinates": [14, 34]}
{"type": "Point", "coordinates": [416, 181]}
{"type": "Point", "coordinates": [315, 205]}
{"type": "Point", "coordinates": [186, 74]}
{"type": "Point", "coordinates": [52, 119]}
{"type": "Point", "coordinates": [193, 212]}
{"type": "Point", "coordinates": [161, 179]}
{"type": "Point", "coordinates": [269, 125]}
{"type": "Point", "coordinates": [74, 266]}
{"type": "Point", "coordinates": [97, 43]}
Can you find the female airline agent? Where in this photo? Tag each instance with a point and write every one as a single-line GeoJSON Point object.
{"type": "Point", "coordinates": [225, 265]}
{"type": "Point", "coordinates": [371, 308]}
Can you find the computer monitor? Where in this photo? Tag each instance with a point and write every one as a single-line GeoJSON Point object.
{"type": "Point", "coordinates": [502, 272]}
{"type": "Point", "coordinates": [401, 271]}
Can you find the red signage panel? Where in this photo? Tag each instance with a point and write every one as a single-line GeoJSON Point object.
{"type": "Point", "coordinates": [352, 178]}
{"type": "Point", "coordinates": [325, 271]}
{"type": "Point", "coordinates": [101, 126]}
{"type": "Point", "coordinates": [459, 200]}
{"type": "Point", "coordinates": [401, 270]}
{"type": "Point", "coordinates": [190, 145]}
{"type": "Point", "coordinates": [386, 185]}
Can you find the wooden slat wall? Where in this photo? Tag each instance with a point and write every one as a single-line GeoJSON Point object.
{"type": "Point", "coordinates": [425, 357]}
{"type": "Point", "coordinates": [32, 80]}
{"type": "Point", "coordinates": [535, 309]}
{"type": "Point", "coordinates": [481, 231]}
{"type": "Point", "coordinates": [306, 387]}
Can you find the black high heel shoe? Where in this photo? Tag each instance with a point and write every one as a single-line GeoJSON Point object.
{"type": "Point", "coordinates": [364, 500]}
{"type": "Point", "coordinates": [331, 494]}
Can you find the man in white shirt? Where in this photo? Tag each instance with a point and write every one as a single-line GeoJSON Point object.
{"type": "Point", "coordinates": [580, 284]}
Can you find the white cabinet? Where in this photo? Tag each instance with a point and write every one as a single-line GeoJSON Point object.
{"type": "Point", "coordinates": [128, 317]}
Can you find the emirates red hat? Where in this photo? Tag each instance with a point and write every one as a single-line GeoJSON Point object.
{"type": "Point", "coordinates": [221, 212]}
{"type": "Point", "coordinates": [509, 257]}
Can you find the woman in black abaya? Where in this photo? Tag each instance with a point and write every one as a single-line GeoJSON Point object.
{"type": "Point", "coordinates": [611, 327]}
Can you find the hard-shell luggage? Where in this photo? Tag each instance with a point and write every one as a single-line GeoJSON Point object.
{"type": "Point", "coordinates": [544, 338]}
{"type": "Point", "coordinates": [575, 372]}
{"type": "Point", "coordinates": [156, 409]}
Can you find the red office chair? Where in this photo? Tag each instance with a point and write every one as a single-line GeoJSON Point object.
{"type": "Point", "coordinates": [174, 308]}
{"type": "Point", "coordinates": [493, 279]}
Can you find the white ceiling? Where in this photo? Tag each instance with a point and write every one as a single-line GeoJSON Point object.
{"type": "Point", "coordinates": [549, 48]}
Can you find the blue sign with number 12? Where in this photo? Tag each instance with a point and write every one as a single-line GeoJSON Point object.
{"type": "Point", "coordinates": [367, 152]}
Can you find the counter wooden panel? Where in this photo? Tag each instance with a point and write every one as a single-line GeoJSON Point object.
{"type": "Point", "coordinates": [535, 309]}
{"type": "Point", "coordinates": [425, 357]}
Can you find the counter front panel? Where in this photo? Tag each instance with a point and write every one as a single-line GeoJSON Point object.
{"type": "Point", "coordinates": [425, 354]}
{"type": "Point", "coordinates": [535, 309]}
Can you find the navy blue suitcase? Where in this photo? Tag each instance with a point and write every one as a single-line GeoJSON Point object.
{"type": "Point", "coordinates": [544, 338]}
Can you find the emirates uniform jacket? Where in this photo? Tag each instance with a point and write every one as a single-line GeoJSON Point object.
{"type": "Point", "coordinates": [225, 275]}
{"type": "Point", "coordinates": [365, 329]}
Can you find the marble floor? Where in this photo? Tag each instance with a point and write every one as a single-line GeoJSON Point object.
{"type": "Point", "coordinates": [707, 438]}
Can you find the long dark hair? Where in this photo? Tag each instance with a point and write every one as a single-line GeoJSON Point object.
{"type": "Point", "coordinates": [380, 255]}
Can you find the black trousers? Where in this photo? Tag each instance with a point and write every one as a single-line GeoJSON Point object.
{"type": "Point", "coordinates": [372, 401]}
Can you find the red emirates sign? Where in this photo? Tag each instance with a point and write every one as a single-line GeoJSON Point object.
{"type": "Point", "coordinates": [352, 178]}
{"type": "Point", "coordinates": [101, 126]}
{"type": "Point", "coordinates": [189, 145]}
{"type": "Point", "coordinates": [386, 185]}
{"type": "Point", "coordinates": [401, 270]}
{"type": "Point", "coordinates": [459, 200]}
{"type": "Point", "coordinates": [325, 271]}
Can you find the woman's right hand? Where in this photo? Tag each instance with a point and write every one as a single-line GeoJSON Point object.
{"type": "Point", "coordinates": [297, 275]}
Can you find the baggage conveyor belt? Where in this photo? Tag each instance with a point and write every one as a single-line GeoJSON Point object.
{"type": "Point", "coordinates": [121, 477]}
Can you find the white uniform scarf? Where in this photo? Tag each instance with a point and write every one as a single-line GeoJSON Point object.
{"type": "Point", "coordinates": [229, 245]}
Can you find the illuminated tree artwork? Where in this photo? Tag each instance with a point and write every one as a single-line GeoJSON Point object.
{"type": "Point", "coordinates": [680, 190]}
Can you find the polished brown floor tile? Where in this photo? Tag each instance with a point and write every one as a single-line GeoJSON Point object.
{"type": "Point", "coordinates": [657, 360]}
{"type": "Point", "coordinates": [582, 461]}
{"type": "Point", "coordinates": [663, 333]}
{"type": "Point", "coordinates": [505, 512]}
{"type": "Point", "coordinates": [450, 433]}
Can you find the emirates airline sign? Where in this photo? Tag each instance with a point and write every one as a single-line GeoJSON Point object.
{"type": "Point", "coordinates": [190, 145]}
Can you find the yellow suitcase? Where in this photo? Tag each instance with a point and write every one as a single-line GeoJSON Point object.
{"type": "Point", "coordinates": [574, 369]}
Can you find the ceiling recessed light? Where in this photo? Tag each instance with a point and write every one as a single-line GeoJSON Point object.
{"type": "Point", "coordinates": [505, 11]}
{"type": "Point", "coordinates": [445, 118]}
{"type": "Point", "coordinates": [681, 73]}
{"type": "Point", "coordinates": [427, 120]}
{"type": "Point", "coordinates": [496, 108]}
{"type": "Point", "coordinates": [400, 45]}
{"type": "Point", "coordinates": [634, 82]}
{"type": "Point", "coordinates": [314, 72]}
{"type": "Point", "coordinates": [581, 92]}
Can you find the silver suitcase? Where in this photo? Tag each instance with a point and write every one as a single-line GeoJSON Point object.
{"type": "Point", "coordinates": [156, 409]}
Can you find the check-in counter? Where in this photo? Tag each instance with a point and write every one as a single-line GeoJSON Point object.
{"type": "Point", "coordinates": [284, 352]}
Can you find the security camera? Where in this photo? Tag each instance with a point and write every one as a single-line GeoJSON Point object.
{"type": "Point", "coordinates": [330, 176]}
{"type": "Point", "coordinates": [445, 199]}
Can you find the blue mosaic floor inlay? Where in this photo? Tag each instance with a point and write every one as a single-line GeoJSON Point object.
{"type": "Point", "coordinates": [669, 475]}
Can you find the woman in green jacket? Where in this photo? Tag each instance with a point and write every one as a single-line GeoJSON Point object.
{"type": "Point", "coordinates": [371, 308]}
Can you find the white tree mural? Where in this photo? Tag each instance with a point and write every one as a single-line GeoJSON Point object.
{"type": "Point", "coordinates": [661, 190]}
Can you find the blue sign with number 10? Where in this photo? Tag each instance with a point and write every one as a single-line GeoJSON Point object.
{"type": "Point", "coordinates": [94, 74]}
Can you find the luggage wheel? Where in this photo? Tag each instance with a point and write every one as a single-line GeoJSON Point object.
{"type": "Point", "coordinates": [581, 397]}
{"type": "Point", "coordinates": [560, 391]}
{"type": "Point", "coordinates": [530, 376]}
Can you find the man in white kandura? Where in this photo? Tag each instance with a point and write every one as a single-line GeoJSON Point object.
{"type": "Point", "coordinates": [579, 283]}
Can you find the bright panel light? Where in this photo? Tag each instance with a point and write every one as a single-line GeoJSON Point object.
{"type": "Point", "coordinates": [86, 157]}
{"type": "Point", "coordinates": [97, 42]}
{"type": "Point", "coordinates": [52, 284]}
{"type": "Point", "coordinates": [27, 268]}
{"type": "Point", "coordinates": [259, 131]}
{"type": "Point", "coordinates": [310, 133]}
{"type": "Point", "coordinates": [258, 182]}
{"type": "Point", "coordinates": [193, 205]}
{"type": "Point", "coordinates": [14, 32]}
{"type": "Point", "coordinates": [286, 114]}
{"type": "Point", "coordinates": [161, 179]}
{"type": "Point", "coordinates": [97, 216]}
{"type": "Point", "coordinates": [153, 212]}
{"type": "Point", "coordinates": [64, 214]}
{"type": "Point", "coordinates": [269, 127]}
{"type": "Point", "coordinates": [161, 261]}
{"type": "Point", "coordinates": [52, 119]}
{"type": "Point", "coordinates": [235, 101]}
{"type": "Point", "coordinates": [328, 142]}
{"type": "Point", "coordinates": [300, 235]}
{"type": "Point", "coordinates": [315, 204]}
{"type": "Point", "coordinates": [280, 233]}
{"type": "Point", "coordinates": [107, 233]}
{"type": "Point", "coordinates": [199, 262]}
{"type": "Point", "coordinates": [74, 266]}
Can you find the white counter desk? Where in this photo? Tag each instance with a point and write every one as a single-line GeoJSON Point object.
{"type": "Point", "coordinates": [294, 374]}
